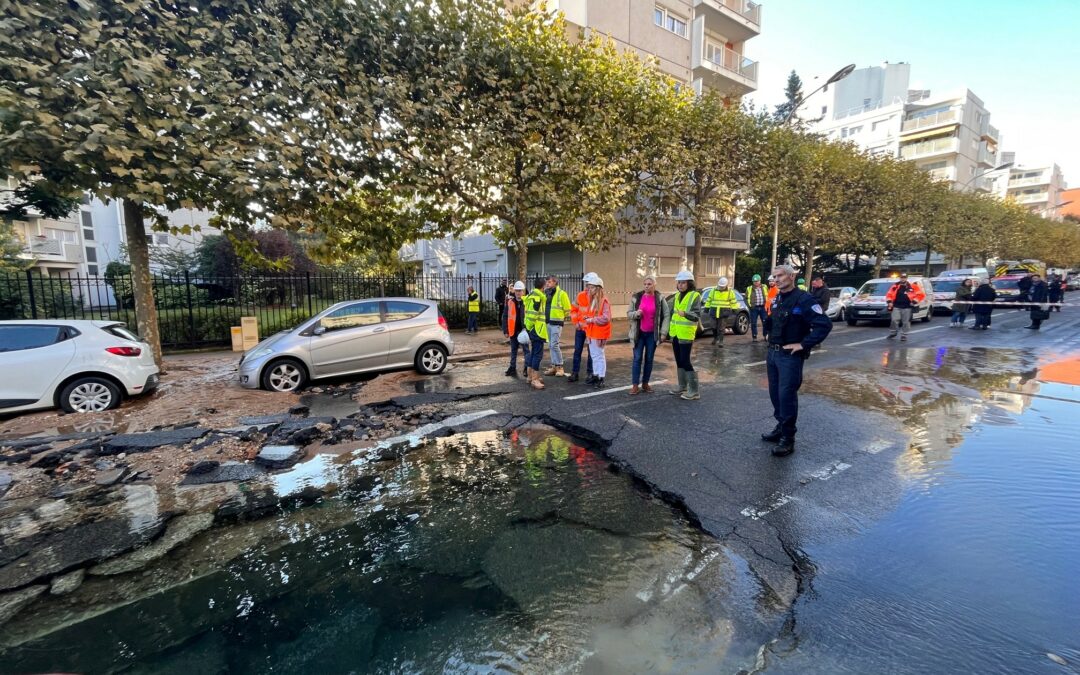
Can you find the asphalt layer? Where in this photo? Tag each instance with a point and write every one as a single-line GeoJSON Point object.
{"type": "Point", "coordinates": [707, 457]}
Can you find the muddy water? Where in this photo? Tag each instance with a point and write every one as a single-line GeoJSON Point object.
{"type": "Point", "coordinates": [976, 569]}
{"type": "Point", "coordinates": [483, 552]}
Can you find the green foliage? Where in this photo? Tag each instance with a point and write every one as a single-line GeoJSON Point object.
{"type": "Point", "coordinates": [10, 248]}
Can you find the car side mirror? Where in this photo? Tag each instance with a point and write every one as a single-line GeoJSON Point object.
{"type": "Point", "coordinates": [319, 330]}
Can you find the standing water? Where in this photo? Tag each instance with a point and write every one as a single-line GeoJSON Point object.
{"type": "Point", "coordinates": [477, 553]}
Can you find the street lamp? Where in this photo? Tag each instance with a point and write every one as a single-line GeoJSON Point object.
{"type": "Point", "coordinates": [1006, 165]}
{"type": "Point", "coordinates": [835, 77]}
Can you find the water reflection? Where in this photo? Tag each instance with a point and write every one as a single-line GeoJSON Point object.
{"type": "Point", "coordinates": [491, 551]}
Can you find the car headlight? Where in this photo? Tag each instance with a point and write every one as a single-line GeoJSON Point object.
{"type": "Point", "coordinates": [258, 354]}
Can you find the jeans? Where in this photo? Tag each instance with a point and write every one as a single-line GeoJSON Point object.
{"type": "Point", "coordinates": [644, 350]}
{"type": "Point", "coordinates": [755, 313]}
{"type": "Point", "coordinates": [959, 317]}
{"type": "Point", "coordinates": [554, 335]}
{"type": "Point", "coordinates": [901, 318]}
{"type": "Point", "coordinates": [599, 359]}
{"type": "Point", "coordinates": [536, 351]}
{"type": "Point", "coordinates": [474, 321]}
{"type": "Point", "coordinates": [785, 377]}
{"type": "Point", "coordinates": [580, 340]}
{"type": "Point", "coordinates": [682, 353]}
{"type": "Point", "coordinates": [514, 346]}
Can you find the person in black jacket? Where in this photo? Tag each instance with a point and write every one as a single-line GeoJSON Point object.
{"type": "Point", "coordinates": [1056, 292]}
{"type": "Point", "coordinates": [500, 302]}
{"type": "Point", "coordinates": [797, 324]}
{"type": "Point", "coordinates": [982, 304]}
{"type": "Point", "coordinates": [1039, 295]}
{"type": "Point", "coordinates": [1024, 286]}
{"type": "Point", "coordinates": [820, 291]}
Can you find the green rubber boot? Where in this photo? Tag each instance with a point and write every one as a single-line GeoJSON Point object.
{"type": "Point", "coordinates": [682, 384]}
{"type": "Point", "coordinates": [691, 393]}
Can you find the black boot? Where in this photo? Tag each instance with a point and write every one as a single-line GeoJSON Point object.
{"type": "Point", "coordinates": [598, 382]}
{"type": "Point", "coordinates": [511, 372]}
{"type": "Point", "coordinates": [784, 447]}
{"type": "Point", "coordinates": [773, 436]}
{"type": "Point", "coordinates": [591, 379]}
{"type": "Point", "coordinates": [573, 377]}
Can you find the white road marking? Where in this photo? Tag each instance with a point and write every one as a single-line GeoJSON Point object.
{"type": "Point", "coordinates": [828, 472]}
{"type": "Point", "coordinates": [611, 390]}
{"type": "Point", "coordinates": [772, 505]}
{"type": "Point", "coordinates": [882, 337]}
{"type": "Point", "coordinates": [877, 446]}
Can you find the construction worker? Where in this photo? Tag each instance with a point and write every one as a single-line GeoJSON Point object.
{"type": "Point", "coordinates": [682, 328]}
{"type": "Point", "coordinates": [801, 284]}
{"type": "Point", "coordinates": [598, 329]}
{"type": "Point", "coordinates": [515, 325]}
{"type": "Point", "coordinates": [557, 308]}
{"type": "Point", "coordinates": [535, 310]}
{"type": "Point", "coordinates": [723, 303]}
{"type": "Point", "coordinates": [578, 313]}
{"type": "Point", "coordinates": [902, 300]}
{"type": "Point", "coordinates": [474, 311]}
{"type": "Point", "coordinates": [770, 298]}
{"type": "Point", "coordinates": [757, 298]}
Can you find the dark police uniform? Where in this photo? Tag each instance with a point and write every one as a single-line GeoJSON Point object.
{"type": "Point", "coordinates": [796, 317]}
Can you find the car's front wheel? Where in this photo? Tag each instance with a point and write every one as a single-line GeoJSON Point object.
{"type": "Point", "coordinates": [431, 359]}
{"type": "Point", "coordinates": [929, 315]}
{"type": "Point", "coordinates": [284, 375]}
{"type": "Point", "coordinates": [89, 394]}
{"type": "Point", "coordinates": [742, 324]}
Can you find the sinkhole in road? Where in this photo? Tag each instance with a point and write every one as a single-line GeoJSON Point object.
{"type": "Point", "coordinates": [501, 550]}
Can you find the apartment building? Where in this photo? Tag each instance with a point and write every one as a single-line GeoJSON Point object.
{"type": "Point", "coordinates": [948, 136]}
{"type": "Point", "coordinates": [699, 43]}
{"type": "Point", "coordinates": [1039, 188]}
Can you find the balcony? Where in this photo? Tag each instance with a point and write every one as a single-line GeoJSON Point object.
{"type": "Point", "coordinates": [720, 234]}
{"type": "Point", "coordinates": [53, 251]}
{"type": "Point", "coordinates": [991, 134]}
{"type": "Point", "coordinates": [725, 71]}
{"type": "Point", "coordinates": [987, 158]}
{"type": "Point", "coordinates": [1031, 198]}
{"type": "Point", "coordinates": [737, 20]}
{"type": "Point", "coordinates": [947, 173]}
{"type": "Point", "coordinates": [1034, 180]}
{"type": "Point", "coordinates": [930, 121]}
{"type": "Point", "coordinates": [940, 146]}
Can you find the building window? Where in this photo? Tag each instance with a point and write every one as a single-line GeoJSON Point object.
{"type": "Point", "coordinates": [714, 266]}
{"type": "Point", "coordinates": [92, 270]}
{"type": "Point", "coordinates": [866, 102]}
{"type": "Point", "coordinates": [91, 254]}
{"type": "Point", "coordinates": [824, 109]}
{"type": "Point", "coordinates": [87, 220]}
{"type": "Point", "coordinates": [66, 236]}
{"type": "Point", "coordinates": [877, 124]}
{"type": "Point", "coordinates": [668, 21]}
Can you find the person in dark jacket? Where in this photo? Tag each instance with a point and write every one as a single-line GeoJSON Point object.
{"type": "Point", "coordinates": [1024, 286]}
{"type": "Point", "coordinates": [500, 301]}
{"type": "Point", "coordinates": [1040, 294]}
{"type": "Point", "coordinates": [515, 327]}
{"type": "Point", "coordinates": [820, 291]}
{"type": "Point", "coordinates": [985, 294]}
{"type": "Point", "coordinates": [1056, 292]}
{"type": "Point", "coordinates": [960, 306]}
{"type": "Point", "coordinates": [797, 324]}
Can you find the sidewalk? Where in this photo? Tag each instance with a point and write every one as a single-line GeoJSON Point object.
{"type": "Point", "coordinates": [490, 342]}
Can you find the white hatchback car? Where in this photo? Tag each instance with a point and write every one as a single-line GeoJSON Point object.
{"type": "Point", "coordinates": [81, 366]}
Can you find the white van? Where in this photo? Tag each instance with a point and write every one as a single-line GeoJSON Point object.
{"type": "Point", "coordinates": [968, 272]}
{"type": "Point", "coordinates": [869, 303]}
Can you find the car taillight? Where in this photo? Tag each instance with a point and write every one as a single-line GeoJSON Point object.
{"type": "Point", "coordinates": [442, 323]}
{"type": "Point", "coordinates": [124, 351]}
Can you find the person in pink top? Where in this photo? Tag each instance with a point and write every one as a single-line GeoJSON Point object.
{"type": "Point", "coordinates": [647, 312]}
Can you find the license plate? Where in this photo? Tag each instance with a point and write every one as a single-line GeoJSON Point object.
{"type": "Point", "coordinates": [864, 313]}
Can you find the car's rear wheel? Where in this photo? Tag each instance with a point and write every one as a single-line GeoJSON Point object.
{"type": "Point", "coordinates": [431, 359]}
{"type": "Point", "coordinates": [90, 394]}
{"type": "Point", "coordinates": [842, 316]}
{"type": "Point", "coordinates": [929, 315]}
{"type": "Point", "coordinates": [284, 375]}
{"type": "Point", "coordinates": [851, 322]}
{"type": "Point", "coordinates": [742, 324]}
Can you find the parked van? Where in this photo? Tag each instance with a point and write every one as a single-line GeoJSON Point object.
{"type": "Point", "coordinates": [967, 272]}
{"type": "Point", "coordinates": [869, 303]}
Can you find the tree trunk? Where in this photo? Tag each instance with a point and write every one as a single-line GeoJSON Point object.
{"type": "Point", "coordinates": [926, 266]}
{"type": "Point", "coordinates": [879, 257]}
{"type": "Point", "coordinates": [808, 270]}
{"type": "Point", "coordinates": [146, 318]}
{"type": "Point", "coordinates": [521, 249]}
{"type": "Point", "coordinates": [697, 263]}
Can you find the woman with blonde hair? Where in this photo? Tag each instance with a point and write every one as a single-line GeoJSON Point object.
{"type": "Point", "coordinates": [598, 329]}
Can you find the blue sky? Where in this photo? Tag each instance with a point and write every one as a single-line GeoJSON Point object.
{"type": "Point", "coordinates": [1021, 57]}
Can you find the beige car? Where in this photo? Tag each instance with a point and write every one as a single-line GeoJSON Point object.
{"type": "Point", "coordinates": [351, 337]}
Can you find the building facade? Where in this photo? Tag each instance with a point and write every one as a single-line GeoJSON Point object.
{"type": "Point", "coordinates": [700, 44]}
{"type": "Point", "coordinates": [1039, 188]}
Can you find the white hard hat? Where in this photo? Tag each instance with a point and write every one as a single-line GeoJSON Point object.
{"type": "Point", "coordinates": [591, 278]}
{"type": "Point", "coordinates": [597, 281]}
{"type": "Point", "coordinates": [519, 285]}
{"type": "Point", "coordinates": [684, 276]}
{"type": "Point", "coordinates": [722, 281]}
{"type": "Point", "coordinates": [772, 278]}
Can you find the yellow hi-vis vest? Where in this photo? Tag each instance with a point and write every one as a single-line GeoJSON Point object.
{"type": "Point", "coordinates": [560, 306]}
{"type": "Point", "coordinates": [474, 302]}
{"type": "Point", "coordinates": [535, 306]}
{"type": "Point", "coordinates": [719, 300]}
{"type": "Point", "coordinates": [681, 327]}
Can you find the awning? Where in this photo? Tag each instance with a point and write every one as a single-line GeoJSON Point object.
{"type": "Point", "coordinates": [936, 131]}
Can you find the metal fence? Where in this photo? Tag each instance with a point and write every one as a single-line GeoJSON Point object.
{"type": "Point", "coordinates": [199, 311]}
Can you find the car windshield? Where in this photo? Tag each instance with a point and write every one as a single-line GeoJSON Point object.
{"type": "Point", "coordinates": [947, 285]}
{"type": "Point", "coordinates": [875, 288]}
{"type": "Point", "coordinates": [1005, 283]}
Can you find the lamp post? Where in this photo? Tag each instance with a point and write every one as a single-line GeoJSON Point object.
{"type": "Point", "coordinates": [835, 77]}
{"type": "Point", "coordinates": [1006, 165]}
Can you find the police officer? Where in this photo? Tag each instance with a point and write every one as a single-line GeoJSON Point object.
{"type": "Point", "coordinates": [797, 324]}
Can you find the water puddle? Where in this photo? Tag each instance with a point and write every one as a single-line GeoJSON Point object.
{"type": "Point", "coordinates": [493, 551]}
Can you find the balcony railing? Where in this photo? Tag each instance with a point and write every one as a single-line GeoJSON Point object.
{"type": "Point", "coordinates": [1034, 180]}
{"type": "Point", "coordinates": [726, 231]}
{"type": "Point", "coordinates": [748, 10]}
{"type": "Point", "coordinates": [731, 60]}
{"type": "Point", "coordinates": [927, 148]}
{"type": "Point", "coordinates": [946, 173]}
{"type": "Point", "coordinates": [992, 132]}
{"type": "Point", "coordinates": [1032, 198]}
{"type": "Point", "coordinates": [43, 246]}
{"type": "Point", "coordinates": [987, 157]}
{"type": "Point", "coordinates": [945, 117]}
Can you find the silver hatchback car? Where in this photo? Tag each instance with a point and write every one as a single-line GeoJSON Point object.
{"type": "Point", "coordinates": [357, 336]}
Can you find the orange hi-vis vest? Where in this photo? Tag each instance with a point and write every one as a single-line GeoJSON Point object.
{"type": "Point", "coordinates": [580, 311]}
{"type": "Point", "coordinates": [595, 332]}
